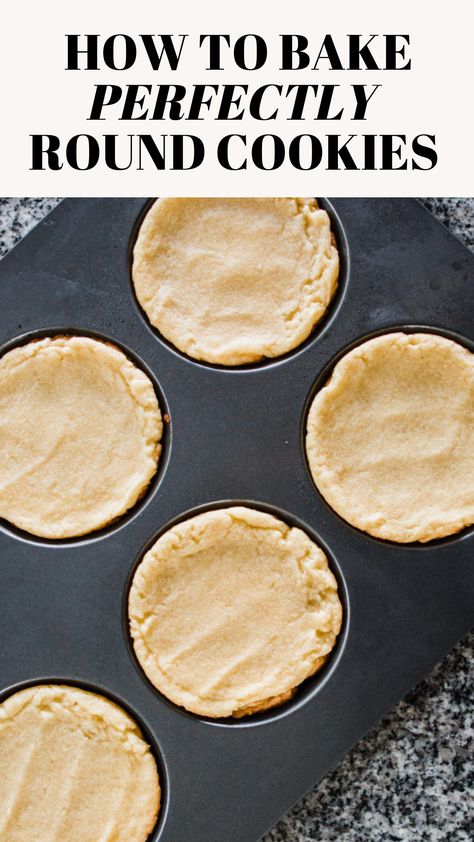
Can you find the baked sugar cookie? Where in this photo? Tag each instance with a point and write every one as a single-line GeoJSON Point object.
{"type": "Point", "coordinates": [390, 438]}
{"type": "Point", "coordinates": [231, 610]}
{"type": "Point", "coordinates": [80, 428]}
{"type": "Point", "coordinates": [74, 766]}
{"type": "Point", "coordinates": [233, 281]}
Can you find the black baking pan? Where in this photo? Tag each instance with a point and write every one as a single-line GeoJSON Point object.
{"type": "Point", "coordinates": [235, 435]}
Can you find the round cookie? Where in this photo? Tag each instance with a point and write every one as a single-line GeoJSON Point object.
{"type": "Point", "coordinates": [233, 281]}
{"type": "Point", "coordinates": [80, 428]}
{"type": "Point", "coordinates": [231, 610]}
{"type": "Point", "coordinates": [390, 438]}
{"type": "Point", "coordinates": [75, 767]}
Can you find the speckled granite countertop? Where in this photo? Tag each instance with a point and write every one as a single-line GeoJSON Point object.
{"type": "Point", "coordinates": [412, 777]}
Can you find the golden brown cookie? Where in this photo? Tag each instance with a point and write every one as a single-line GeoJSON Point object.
{"type": "Point", "coordinates": [74, 766]}
{"type": "Point", "coordinates": [390, 438]}
{"type": "Point", "coordinates": [231, 610]}
{"type": "Point", "coordinates": [80, 428]}
{"type": "Point", "coordinates": [233, 281]}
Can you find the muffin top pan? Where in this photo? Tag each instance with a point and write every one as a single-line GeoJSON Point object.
{"type": "Point", "coordinates": [235, 436]}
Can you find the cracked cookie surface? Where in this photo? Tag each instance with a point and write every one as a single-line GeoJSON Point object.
{"type": "Point", "coordinates": [231, 610]}
{"type": "Point", "coordinates": [234, 281]}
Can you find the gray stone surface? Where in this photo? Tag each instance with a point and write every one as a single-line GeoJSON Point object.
{"type": "Point", "coordinates": [17, 216]}
{"type": "Point", "coordinates": [412, 777]}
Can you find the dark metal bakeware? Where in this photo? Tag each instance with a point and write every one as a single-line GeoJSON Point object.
{"type": "Point", "coordinates": [235, 436]}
